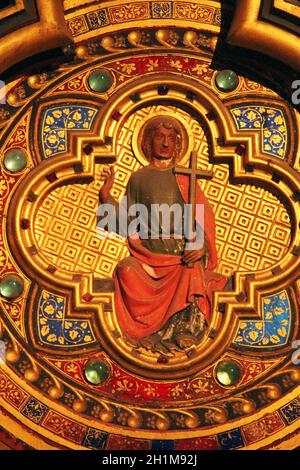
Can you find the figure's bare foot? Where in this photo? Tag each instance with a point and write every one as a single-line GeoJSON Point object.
{"type": "Point", "coordinates": [171, 346]}
{"type": "Point", "coordinates": [134, 343]}
{"type": "Point", "coordinates": [162, 349]}
{"type": "Point", "coordinates": [185, 340]}
{"type": "Point", "coordinates": [150, 341]}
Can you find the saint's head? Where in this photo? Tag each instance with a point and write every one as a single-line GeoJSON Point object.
{"type": "Point", "coordinates": [162, 139]}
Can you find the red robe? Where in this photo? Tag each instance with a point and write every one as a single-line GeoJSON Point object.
{"type": "Point", "coordinates": [144, 303]}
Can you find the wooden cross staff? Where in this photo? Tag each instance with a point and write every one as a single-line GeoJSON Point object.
{"type": "Point", "coordinates": [193, 174]}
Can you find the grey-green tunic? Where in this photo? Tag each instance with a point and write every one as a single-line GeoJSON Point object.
{"type": "Point", "coordinates": [149, 186]}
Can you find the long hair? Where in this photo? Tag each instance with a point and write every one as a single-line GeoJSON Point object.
{"type": "Point", "coordinates": [167, 123]}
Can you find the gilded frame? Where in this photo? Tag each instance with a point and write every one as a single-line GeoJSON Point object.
{"type": "Point", "coordinates": [50, 32]}
{"type": "Point", "coordinates": [247, 30]}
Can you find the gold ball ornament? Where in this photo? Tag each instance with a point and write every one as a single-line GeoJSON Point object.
{"type": "Point", "coordinates": [135, 421]}
{"type": "Point", "coordinates": [162, 34]}
{"type": "Point", "coordinates": [220, 416]}
{"type": "Point", "coordinates": [32, 375]}
{"type": "Point", "coordinates": [12, 99]}
{"type": "Point", "coordinates": [79, 406]}
{"type": "Point", "coordinates": [248, 407]}
{"type": "Point", "coordinates": [33, 81]}
{"type": "Point", "coordinates": [192, 422]}
{"type": "Point", "coordinates": [295, 375]}
{"type": "Point", "coordinates": [107, 42]}
{"type": "Point", "coordinates": [107, 416]}
{"type": "Point", "coordinates": [55, 392]}
{"type": "Point", "coordinates": [12, 355]}
{"type": "Point", "coordinates": [134, 37]}
{"type": "Point", "coordinates": [81, 52]}
{"type": "Point", "coordinates": [213, 43]}
{"type": "Point", "coordinates": [162, 424]}
{"type": "Point", "coordinates": [190, 37]}
{"type": "Point", "coordinates": [274, 392]}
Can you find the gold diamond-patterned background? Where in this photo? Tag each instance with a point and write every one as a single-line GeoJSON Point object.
{"type": "Point", "coordinates": [253, 227]}
{"type": "Point", "coordinates": [65, 231]}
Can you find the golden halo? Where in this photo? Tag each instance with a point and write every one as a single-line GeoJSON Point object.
{"type": "Point", "coordinates": [138, 136]}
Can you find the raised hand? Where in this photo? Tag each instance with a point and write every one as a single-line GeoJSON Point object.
{"type": "Point", "coordinates": [108, 176]}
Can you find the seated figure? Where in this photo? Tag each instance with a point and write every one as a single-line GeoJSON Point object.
{"type": "Point", "coordinates": [163, 291]}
